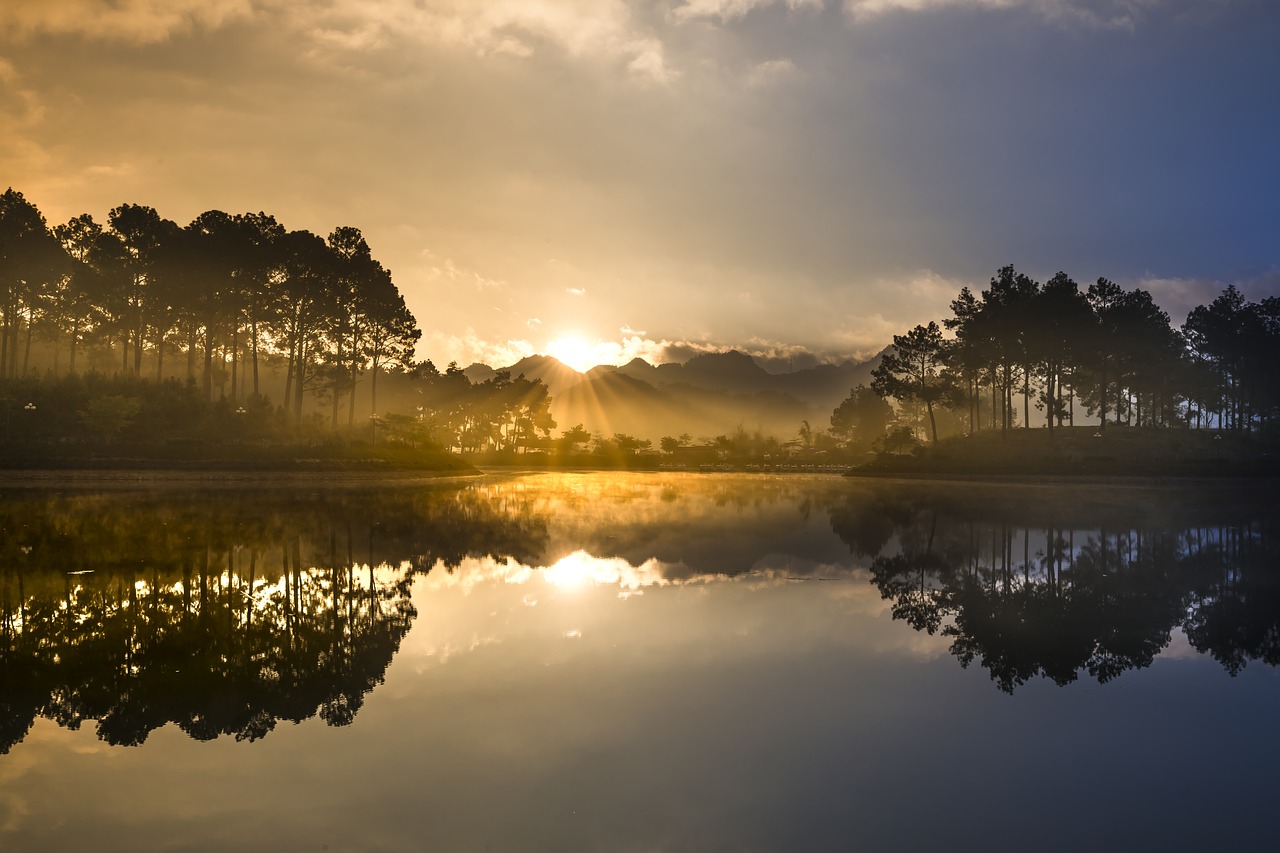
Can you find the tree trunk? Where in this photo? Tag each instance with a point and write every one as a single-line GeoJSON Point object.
{"type": "Point", "coordinates": [288, 380]}
{"type": "Point", "coordinates": [137, 350]}
{"type": "Point", "coordinates": [235, 360]}
{"type": "Point", "coordinates": [355, 344]}
{"type": "Point", "coordinates": [1057, 407]}
{"type": "Point", "coordinates": [4, 344]}
{"type": "Point", "coordinates": [1026, 397]}
{"type": "Point", "coordinates": [993, 399]}
{"type": "Point", "coordinates": [351, 404]}
{"type": "Point", "coordinates": [208, 363]}
{"type": "Point", "coordinates": [970, 389]}
{"type": "Point", "coordinates": [1051, 404]}
{"type": "Point", "coordinates": [1102, 397]}
{"type": "Point", "coordinates": [1004, 403]}
{"type": "Point", "coordinates": [291, 372]}
{"type": "Point", "coordinates": [253, 330]}
{"type": "Point", "coordinates": [26, 350]}
{"type": "Point", "coordinates": [301, 377]}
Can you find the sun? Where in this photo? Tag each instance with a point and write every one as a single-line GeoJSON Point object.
{"type": "Point", "coordinates": [575, 352]}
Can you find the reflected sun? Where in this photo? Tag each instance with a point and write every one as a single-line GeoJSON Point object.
{"type": "Point", "coordinates": [574, 570]}
{"type": "Point", "coordinates": [575, 352]}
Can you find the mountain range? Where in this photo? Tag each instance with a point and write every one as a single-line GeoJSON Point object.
{"type": "Point", "coordinates": [708, 395]}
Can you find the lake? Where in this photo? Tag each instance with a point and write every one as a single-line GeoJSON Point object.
{"type": "Point", "coordinates": [639, 662]}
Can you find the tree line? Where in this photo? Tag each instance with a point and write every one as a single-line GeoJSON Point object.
{"type": "Point", "coordinates": [222, 292]}
{"type": "Point", "coordinates": [226, 294]}
{"type": "Point", "coordinates": [1111, 353]}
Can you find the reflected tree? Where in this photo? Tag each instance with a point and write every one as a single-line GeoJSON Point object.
{"type": "Point", "coordinates": [224, 616]}
{"type": "Point", "coordinates": [1054, 601]}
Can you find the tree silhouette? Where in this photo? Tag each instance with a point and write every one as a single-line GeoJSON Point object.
{"type": "Point", "coordinates": [862, 417]}
{"type": "Point", "coordinates": [914, 370]}
{"type": "Point", "coordinates": [31, 260]}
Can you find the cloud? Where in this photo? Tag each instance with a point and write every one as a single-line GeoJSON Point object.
{"type": "Point", "coordinates": [774, 356]}
{"type": "Point", "coordinates": [772, 73]}
{"type": "Point", "coordinates": [576, 291]}
{"type": "Point", "coordinates": [515, 28]}
{"type": "Point", "coordinates": [926, 291]}
{"type": "Point", "coordinates": [728, 10]}
{"type": "Point", "coordinates": [1099, 14]}
{"type": "Point", "coordinates": [469, 348]}
{"type": "Point", "coordinates": [1179, 295]}
{"type": "Point", "coordinates": [443, 271]}
{"type": "Point", "coordinates": [21, 111]}
{"type": "Point", "coordinates": [780, 357]}
{"type": "Point", "coordinates": [138, 21]}
{"type": "Point", "coordinates": [19, 103]}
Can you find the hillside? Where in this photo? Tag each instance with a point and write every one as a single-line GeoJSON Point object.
{"type": "Point", "coordinates": [711, 394]}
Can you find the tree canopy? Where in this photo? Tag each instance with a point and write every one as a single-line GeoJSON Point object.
{"type": "Point", "coordinates": [1103, 352]}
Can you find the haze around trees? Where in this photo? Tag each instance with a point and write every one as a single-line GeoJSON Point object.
{"type": "Point", "coordinates": [235, 328]}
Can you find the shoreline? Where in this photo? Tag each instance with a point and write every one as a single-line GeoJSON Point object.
{"type": "Point", "coordinates": [1051, 478]}
{"type": "Point", "coordinates": [268, 478]}
{"type": "Point", "coordinates": [369, 476]}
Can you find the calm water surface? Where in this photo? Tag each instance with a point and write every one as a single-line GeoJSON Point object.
{"type": "Point", "coordinates": [638, 663]}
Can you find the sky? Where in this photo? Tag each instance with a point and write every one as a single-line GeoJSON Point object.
{"type": "Point", "coordinates": [799, 179]}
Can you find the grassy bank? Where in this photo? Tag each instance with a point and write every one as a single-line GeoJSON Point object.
{"type": "Point", "coordinates": [189, 456]}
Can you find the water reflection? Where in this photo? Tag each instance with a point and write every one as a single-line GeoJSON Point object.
{"type": "Point", "coordinates": [1042, 584]}
{"type": "Point", "coordinates": [222, 614]}
{"type": "Point", "coordinates": [229, 612]}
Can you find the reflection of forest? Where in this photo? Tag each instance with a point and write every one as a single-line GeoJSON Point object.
{"type": "Point", "coordinates": [1025, 596]}
{"type": "Point", "coordinates": [227, 613]}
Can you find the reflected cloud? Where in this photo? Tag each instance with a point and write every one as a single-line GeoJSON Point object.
{"type": "Point", "coordinates": [580, 568]}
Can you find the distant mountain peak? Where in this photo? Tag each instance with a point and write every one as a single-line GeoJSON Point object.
{"type": "Point", "coordinates": [536, 361]}
{"type": "Point", "coordinates": [728, 356]}
{"type": "Point", "coordinates": [549, 370]}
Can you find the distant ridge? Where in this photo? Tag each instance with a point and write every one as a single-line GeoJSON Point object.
{"type": "Point", "coordinates": [552, 372]}
{"type": "Point", "coordinates": [710, 394]}
{"type": "Point", "coordinates": [479, 373]}
{"type": "Point", "coordinates": [555, 374]}
{"type": "Point", "coordinates": [734, 372]}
